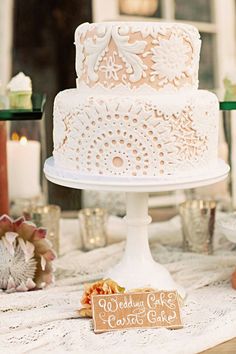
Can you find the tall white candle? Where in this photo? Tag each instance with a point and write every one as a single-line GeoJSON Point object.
{"type": "Point", "coordinates": [23, 161]}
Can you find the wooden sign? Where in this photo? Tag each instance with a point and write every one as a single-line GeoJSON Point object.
{"type": "Point", "coordinates": [136, 310]}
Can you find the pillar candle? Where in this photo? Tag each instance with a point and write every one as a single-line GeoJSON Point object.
{"type": "Point", "coordinates": [4, 205]}
{"type": "Point", "coordinates": [23, 159]}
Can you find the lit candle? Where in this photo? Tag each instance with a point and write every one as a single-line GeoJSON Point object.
{"type": "Point", "coordinates": [23, 161]}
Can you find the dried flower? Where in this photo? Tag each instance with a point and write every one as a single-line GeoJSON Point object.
{"type": "Point", "coordinates": [25, 256]}
{"type": "Point", "coordinates": [101, 287]}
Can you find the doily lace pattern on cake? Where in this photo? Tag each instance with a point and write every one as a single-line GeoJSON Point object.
{"type": "Point", "coordinates": [159, 135]}
{"type": "Point", "coordinates": [164, 56]}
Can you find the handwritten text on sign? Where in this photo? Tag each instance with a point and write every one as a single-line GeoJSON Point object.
{"type": "Point", "coordinates": [136, 310]}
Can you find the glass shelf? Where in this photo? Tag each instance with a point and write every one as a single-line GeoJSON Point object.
{"type": "Point", "coordinates": [38, 103]}
{"type": "Point", "coordinates": [228, 105]}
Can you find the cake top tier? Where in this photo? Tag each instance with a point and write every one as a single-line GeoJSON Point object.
{"type": "Point", "coordinates": [156, 55]}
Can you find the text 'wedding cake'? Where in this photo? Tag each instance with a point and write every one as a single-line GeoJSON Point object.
{"type": "Point", "coordinates": [137, 110]}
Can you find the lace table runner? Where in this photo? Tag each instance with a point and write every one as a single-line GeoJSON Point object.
{"type": "Point", "coordinates": [46, 320]}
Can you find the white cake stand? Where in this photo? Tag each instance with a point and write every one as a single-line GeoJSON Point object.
{"type": "Point", "coordinates": [137, 267]}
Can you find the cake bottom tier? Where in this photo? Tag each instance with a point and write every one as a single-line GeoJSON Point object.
{"type": "Point", "coordinates": [156, 135]}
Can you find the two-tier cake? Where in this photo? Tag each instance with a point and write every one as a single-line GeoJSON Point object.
{"type": "Point", "coordinates": [137, 110]}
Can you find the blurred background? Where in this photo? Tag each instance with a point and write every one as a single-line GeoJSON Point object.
{"type": "Point", "coordinates": [37, 38]}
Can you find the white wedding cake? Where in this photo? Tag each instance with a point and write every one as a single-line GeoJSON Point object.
{"type": "Point", "coordinates": [137, 110]}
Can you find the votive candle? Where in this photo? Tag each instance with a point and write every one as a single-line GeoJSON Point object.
{"type": "Point", "coordinates": [23, 159]}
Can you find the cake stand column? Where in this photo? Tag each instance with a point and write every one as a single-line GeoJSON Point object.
{"type": "Point", "coordinates": [137, 269]}
{"type": "Point", "coordinates": [137, 250]}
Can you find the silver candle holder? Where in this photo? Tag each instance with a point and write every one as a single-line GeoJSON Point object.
{"type": "Point", "coordinates": [48, 216]}
{"type": "Point", "coordinates": [198, 220]}
{"type": "Point", "coordinates": [93, 224]}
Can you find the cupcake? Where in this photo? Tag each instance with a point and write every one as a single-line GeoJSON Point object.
{"type": "Point", "coordinates": [20, 92]}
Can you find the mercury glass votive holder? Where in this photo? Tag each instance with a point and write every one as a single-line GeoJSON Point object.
{"type": "Point", "coordinates": [93, 225]}
{"type": "Point", "coordinates": [48, 216]}
{"type": "Point", "coordinates": [198, 221]}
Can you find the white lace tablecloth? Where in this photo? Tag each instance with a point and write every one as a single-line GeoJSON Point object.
{"type": "Point", "coordinates": [46, 320]}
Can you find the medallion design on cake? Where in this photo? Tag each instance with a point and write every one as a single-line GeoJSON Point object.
{"type": "Point", "coordinates": [170, 57]}
{"type": "Point", "coordinates": [133, 136]}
